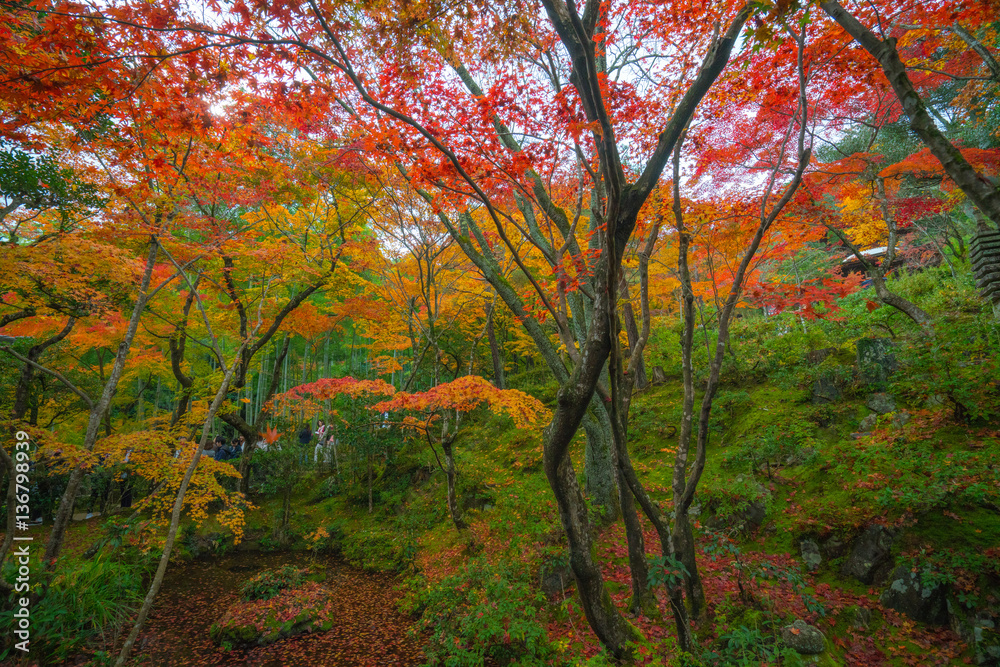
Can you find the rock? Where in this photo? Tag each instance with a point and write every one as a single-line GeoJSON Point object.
{"type": "Point", "coordinates": [475, 498]}
{"type": "Point", "coordinates": [868, 423]}
{"type": "Point", "coordinates": [876, 359]}
{"type": "Point", "coordinates": [978, 629]}
{"type": "Point", "coordinates": [870, 557]}
{"type": "Point", "coordinates": [899, 420]}
{"type": "Point", "coordinates": [746, 520]}
{"type": "Point", "coordinates": [810, 554]}
{"type": "Point", "coordinates": [801, 456]}
{"type": "Point", "coordinates": [834, 547]}
{"type": "Point", "coordinates": [658, 375]}
{"type": "Point", "coordinates": [856, 617]}
{"type": "Point", "coordinates": [881, 403]}
{"type": "Point", "coordinates": [908, 595]}
{"type": "Point", "coordinates": [202, 545]}
{"type": "Point", "coordinates": [554, 577]}
{"type": "Point", "coordinates": [815, 357]}
{"type": "Point", "coordinates": [752, 516]}
{"type": "Point", "coordinates": [804, 638]}
{"type": "Point", "coordinates": [935, 401]}
{"type": "Point", "coordinates": [825, 391]}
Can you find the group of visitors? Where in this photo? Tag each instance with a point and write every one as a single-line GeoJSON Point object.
{"type": "Point", "coordinates": [325, 440]}
{"type": "Point", "coordinates": [220, 450]}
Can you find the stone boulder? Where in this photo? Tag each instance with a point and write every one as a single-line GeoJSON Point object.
{"type": "Point", "coordinates": [876, 359]}
{"type": "Point", "coordinates": [816, 357]}
{"type": "Point", "coordinates": [555, 577]}
{"type": "Point", "coordinates": [803, 638]}
{"type": "Point", "coordinates": [834, 547]}
{"type": "Point", "coordinates": [752, 516]}
{"type": "Point", "coordinates": [745, 520]}
{"type": "Point", "coordinates": [855, 616]}
{"type": "Point", "coordinates": [810, 554]}
{"type": "Point", "coordinates": [881, 403]}
{"type": "Point", "coordinates": [870, 556]}
{"type": "Point", "coordinates": [825, 391]}
{"type": "Point", "coordinates": [899, 420]}
{"type": "Point", "coordinates": [203, 545]}
{"type": "Point", "coordinates": [868, 423]}
{"type": "Point", "coordinates": [908, 595]}
{"type": "Point", "coordinates": [978, 629]}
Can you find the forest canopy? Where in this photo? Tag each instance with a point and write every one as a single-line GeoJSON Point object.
{"type": "Point", "coordinates": [501, 292]}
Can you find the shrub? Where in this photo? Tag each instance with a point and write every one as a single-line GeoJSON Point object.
{"type": "Point", "coordinates": [269, 583]}
{"type": "Point", "coordinates": [484, 613]}
{"type": "Point", "coordinates": [380, 549]}
{"type": "Point", "coordinates": [88, 604]}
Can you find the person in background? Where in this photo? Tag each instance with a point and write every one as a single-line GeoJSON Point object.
{"type": "Point", "coordinates": [305, 437]}
{"type": "Point", "coordinates": [209, 450]}
{"type": "Point", "coordinates": [321, 443]}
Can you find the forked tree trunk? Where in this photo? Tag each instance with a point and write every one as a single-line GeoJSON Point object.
{"type": "Point", "coordinates": [23, 388]}
{"type": "Point", "coordinates": [685, 482]}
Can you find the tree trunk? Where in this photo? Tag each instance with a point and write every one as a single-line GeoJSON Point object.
{"type": "Point", "coordinates": [370, 505]}
{"type": "Point", "coordinates": [175, 515]}
{"type": "Point", "coordinates": [499, 381]}
{"type": "Point", "coordinates": [68, 500]}
{"type": "Point", "coordinates": [641, 381]}
{"type": "Point", "coordinates": [449, 462]}
{"type": "Point", "coordinates": [882, 291]}
{"type": "Point", "coordinates": [572, 402]}
{"type": "Point", "coordinates": [8, 538]}
{"type": "Point", "coordinates": [249, 432]}
{"type": "Point", "coordinates": [642, 595]}
{"type": "Point", "coordinates": [599, 465]}
{"type": "Point", "coordinates": [23, 388]}
{"type": "Point", "coordinates": [178, 343]}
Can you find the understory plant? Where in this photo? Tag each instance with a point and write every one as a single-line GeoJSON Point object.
{"type": "Point", "coordinates": [88, 604]}
{"type": "Point", "coordinates": [484, 613]}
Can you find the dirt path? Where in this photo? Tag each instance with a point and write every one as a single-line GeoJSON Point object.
{"type": "Point", "coordinates": [368, 630]}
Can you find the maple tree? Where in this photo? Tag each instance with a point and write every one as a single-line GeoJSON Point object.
{"type": "Point", "coordinates": [412, 172]}
{"type": "Point", "coordinates": [432, 288]}
{"type": "Point", "coordinates": [934, 16]}
{"type": "Point", "coordinates": [442, 407]}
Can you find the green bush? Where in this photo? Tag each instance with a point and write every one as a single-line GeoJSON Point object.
{"type": "Point", "coordinates": [775, 447]}
{"type": "Point", "coordinates": [269, 583]}
{"type": "Point", "coordinates": [484, 613]}
{"type": "Point", "coordinates": [88, 604]}
{"type": "Point", "coordinates": [379, 549]}
{"type": "Point", "coordinates": [957, 368]}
